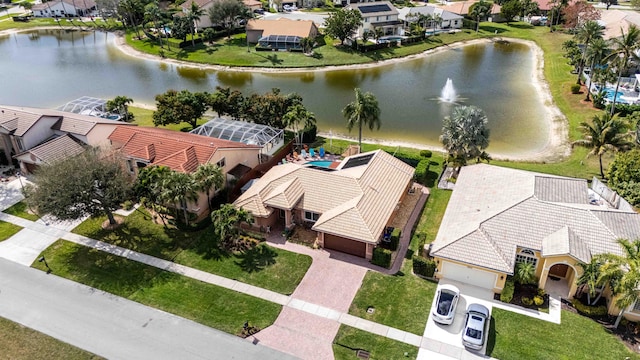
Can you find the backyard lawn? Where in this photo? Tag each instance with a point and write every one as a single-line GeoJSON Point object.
{"type": "Point", "coordinates": [207, 304]}
{"type": "Point", "coordinates": [21, 209]}
{"type": "Point", "coordinates": [577, 337]}
{"type": "Point", "coordinates": [264, 266]}
{"type": "Point", "coordinates": [19, 342]}
{"type": "Point", "coordinates": [349, 340]}
{"type": "Point", "coordinates": [7, 230]}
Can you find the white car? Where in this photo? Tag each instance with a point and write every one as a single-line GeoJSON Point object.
{"type": "Point", "coordinates": [475, 325]}
{"type": "Point", "coordinates": [445, 307]}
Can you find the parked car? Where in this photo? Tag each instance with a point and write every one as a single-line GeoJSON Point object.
{"type": "Point", "coordinates": [446, 302]}
{"type": "Point", "coordinates": [475, 325]}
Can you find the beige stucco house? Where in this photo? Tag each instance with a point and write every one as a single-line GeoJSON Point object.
{"type": "Point", "coordinates": [347, 204]}
{"type": "Point", "coordinates": [378, 15]}
{"type": "Point", "coordinates": [497, 217]}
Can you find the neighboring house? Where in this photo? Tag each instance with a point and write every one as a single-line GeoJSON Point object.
{"type": "Point", "coordinates": [462, 8]}
{"type": "Point", "coordinates": [183, 152]}
{"type": "Point", "coordinates": [269, 139]}
{"type": "Point", "coordinates": [64, 8]}
{"type": "Point", "coordinates": [615, 22]}
{"type": "Point", "coordinates": [347, 206]}
{"type": "Point", "coordinates": [281, 33]}
{"type": "Point", "coordinates": [348, 2]}
{"type": "Point", "coordinates": [38, 136]}
{"type": "Point", "coordinates": [205, 5]}
{"type": "Point", "coordinates": [545, 6]}
{"type": "Point", "coordinates": [378, 15]}
{"type": "Point", "coordinates": [411, 15]}
{"type": "Point", "coordinates": [497, 217]}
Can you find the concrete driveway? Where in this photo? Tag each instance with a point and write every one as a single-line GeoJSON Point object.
{"type": "Point", "coordinates": [446, 340]}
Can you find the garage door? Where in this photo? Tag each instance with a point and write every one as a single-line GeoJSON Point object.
{"type": "Point", "coordinates": [352, 247]}
{"type": "Point", "coordinates": [469, 275]}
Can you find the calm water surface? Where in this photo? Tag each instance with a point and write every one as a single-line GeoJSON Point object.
{"type": "Point", "coordinates": [47, 68]}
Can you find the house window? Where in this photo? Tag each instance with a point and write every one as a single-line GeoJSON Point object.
{"type": "Point", "coordinates": [366, 20]}
{"type": "Point", "coordinates": [311, 216]}
{"type": "Point", "coordinates": [282, 214]}
{"type": "Point", "coordinates": [527, 256]}
{"type": "Point", "coordinates": [636, 307]}
{"type": "Point", "coordinates": [221, 163]}
{"type": "Point", "coordinates": [130, 166]}
{"type": "Point", "coordinates": [20, 144]}
{"type": "Point", "coordinates": [387, 17]}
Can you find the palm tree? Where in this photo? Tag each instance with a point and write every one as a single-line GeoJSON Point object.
{"type": "Point", "coordinates": [153, 13]}
{"type": "Point", "coordinates": [179, 188]}
{"type": "Point", "coordinates": [226, 221]}
{"type": "Point", "coordinates": [625, 269]}
{"type": "Point", "coordinates": [588, 32]}
{"type": "Point", "coordinates": [592, 279]}
{"type": "Point", "coordinates": [525, 273]}
{"type": "Point", "coordinates": [194, 14]}
{"type": "Point", "coordinates": [363, 111]}
{"type": "Point", "coordinates": [465, 134]}
{"type": "Point", "coordinates": [625, 48]}
{"type": "Point", "coordinates": [436, 21]}
{"type": "Point", "coordinates": [479, 10]}
{"type": "Point", "coordinates": [595, 53]}
{"type": "Point", "coordinates": [208, 177]}
{"type": "Point", "coordinates": [120, 104]}
{"type": "Point", "coordinates": [296, 116]}
{"type": "Point", "coordinates": [604, 133]}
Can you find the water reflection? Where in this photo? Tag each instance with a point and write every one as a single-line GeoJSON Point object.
{"type": "Point", "coordinates": [196, 75]}
{"type": "Point", "coordinates": [234, 79]}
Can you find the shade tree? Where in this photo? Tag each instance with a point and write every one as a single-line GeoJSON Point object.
{"type": "Point", "coordinates": [343, 23]}
{"type": "Point", "coordinates": [175, 107]}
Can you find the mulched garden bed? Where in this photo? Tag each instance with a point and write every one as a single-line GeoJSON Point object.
{"type": "Point", "coordinates": [528, 291]}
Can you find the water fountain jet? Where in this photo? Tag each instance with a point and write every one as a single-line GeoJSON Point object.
{"type": "Point", "coordinates": [448, 93]}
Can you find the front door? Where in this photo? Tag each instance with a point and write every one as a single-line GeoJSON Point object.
{"type": "Point", "coordinates": [559, 270]}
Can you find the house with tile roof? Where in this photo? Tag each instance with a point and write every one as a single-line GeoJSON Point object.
{"type": "Point", "coordinates": [182, 152]}
{"type": "Point", "coordinates": [33, 137]}
{"type": "Point", "coordinates": [64, 8]}
{"type": "Point", "coordinates": [259, 29]}
{"type": "Point", "coordinates": [497, 217]}
{"type": "Point", "coordinates": [616, 22]}
{"type": "Point", "coordinates": [378, 15]}
{"type": "Point", "coordinates": [462, 8]}
{"type": "Point", "coordinates": [348, 204]}
{"type": "Point", "coordinates": [411, 15]}
{"type": "Point", "coordinates": [206, 5]}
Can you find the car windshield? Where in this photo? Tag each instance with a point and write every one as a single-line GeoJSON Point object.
{"type": "Point", "coordinates": [473, 333]}
{"type": "Point", "coordinates": [444, 302]}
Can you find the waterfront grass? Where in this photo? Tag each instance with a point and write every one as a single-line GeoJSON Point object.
{"type": "Point", "coordinates": [204, 303]}
{"type": "Point", "coordinates": [349, 340]}
{"type": "Point", "coordinates": [19, 342]}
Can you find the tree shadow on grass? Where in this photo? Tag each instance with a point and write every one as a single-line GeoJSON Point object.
{"type": "Point", "coordinates": [256, 259]}
{"type": "Point", "coordinates": [273, 59]}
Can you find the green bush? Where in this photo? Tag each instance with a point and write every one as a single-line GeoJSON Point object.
{"type": "Point", "coordinates": [575, 89]}
{"type": "Point", "coordinates": [507, 293]}
{"type": "Point", "coordinates": [426, 153]}
{"type": "Point", "coordinates": [423, 266]}
{"type": "Point", "coordinates": [395, 239]}
{"type": "Point", "coordinates": [527, 301]}
{"type": "Point", "coordinates": [541, 292]}
{"type": "Point", "coordinates": [587, 310]}
{"type": "Point", "coordinates": [538, 300]}
{"type": "Point", "coordinates": [381, 257]}
{"type": "Point", "coordinates": [422, 169]}
{"type": "Point", "coordinates": [127, 205]}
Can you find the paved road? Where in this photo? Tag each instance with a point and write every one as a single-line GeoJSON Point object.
{"type": "Point", "coordinates": [111, 326]}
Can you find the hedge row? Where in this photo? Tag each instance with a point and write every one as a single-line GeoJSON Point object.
{"type": "Point", "coordinates": [395, 239]}
{"type": "Point", "coordinates": [589, 310]}
{"type": "Point", "coordinates": [381, 257]}
{"type": "Point", "coordinates": [423, 266]}
{"type": "Point", "coordinates": [507, 292]}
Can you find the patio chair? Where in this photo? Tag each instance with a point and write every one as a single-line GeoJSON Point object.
{"type": "Point", "coordinates": [312, 153]}
{"type": "Point", "coordinates": [321, 151]}
{"type": "Point", "coordinates": [304, 154]}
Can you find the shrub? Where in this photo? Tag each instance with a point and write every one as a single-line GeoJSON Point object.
{"type": "Point", "coordinates": [422, 169]}
{"type": "Point", "coordinates": [507, 291]}
{"type": "Point", "coordinates": [538, 300]}
{"type": "Point", "coordinates": [541, 292]}
{"type": "Point", "coordinates": [423, 266]}
{"type": "Point", "coordinates": [525, 273]}
{"type": "Point", "coordinates": [624, 110]}
{"type": "Point", "coordinates": [526, 301]}
{"type": "Point", "coordinates": [575, 89]}
{"type": "Point", "coordinates": [127, 205]}
{"type": "Point", "coordinates": [426, 153]}
{"type": "Point", "coordinates": [589, 310]}
{"type": "Point", "coordinates": [381, 257]}
{"type": "Point", "coordinates": [395, 239]}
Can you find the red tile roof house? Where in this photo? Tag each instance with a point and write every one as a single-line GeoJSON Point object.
{"type": "Point", "coordinates": [348, 206]}
{"type": "Point", "coordinates": [34, 136]}
{"type": "Point", "coordinates": [182, 152]}
{"type": "Point", "coordinates": [205, 5]}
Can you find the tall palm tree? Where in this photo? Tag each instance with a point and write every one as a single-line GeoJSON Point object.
{"type": "Point", "coordinates": [363, 111]}
{"type": "Point", "coordinates": [479, 10]}
{"type": "Point", "coordinates": [604, 133]}
{"type": "Point", "coordinates": [465, 134]}
{"type": "Point", "coordinates": [626, 270]}
{"type": "Point", "coordinates": [194, 14]}
{"type": "Point", "coordinates": [588, 32]}
{"type": "Point", "coordinates": [436, 22]}
{"type": "Point", "coordinates": [209, 177]}
{"type": "Point", "coordinates": [595, 53]}
{"type": "Point", "coordinates": [625, 49]}
{"type": "Point", "coordinates": [121, 105]}
{"type": "Point", "coordinates": [178, 189]}
{"type": "Point", "coordinates": [297, 118]}
{"type": "Point", "coordinates": [592, 279]}
{"type": "Point", "coordinates": [226, 221]}
{"type": "Point", "coordinates": [152, 13]}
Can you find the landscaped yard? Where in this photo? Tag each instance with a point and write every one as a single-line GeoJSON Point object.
{"type": "Point", "coordinates": [7, 230]}
{"type": "Point", "coordinates": [19, 342]}
{"type": "Point", "coordinates": [577, 337]}
{"type": "Point", "coordinates": [207, 304]}
{"type": "Point", "coordinates": [21, 209]}
{"type": "Point", "coordinates": [270, 268]}
{"type": "Point", "coordinates": [349, 340]}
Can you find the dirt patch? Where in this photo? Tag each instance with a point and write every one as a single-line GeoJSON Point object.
{"type": "Point", "coordinates": [406, 208]}
{"type": "Point", "coordinates": [107, 226]}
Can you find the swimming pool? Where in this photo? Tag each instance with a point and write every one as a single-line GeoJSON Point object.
{"type": "Point", "coordinates": [321, 163]}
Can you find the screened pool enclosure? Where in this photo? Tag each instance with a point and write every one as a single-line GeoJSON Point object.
{"type": "Point", "coordinates": [245, 132]}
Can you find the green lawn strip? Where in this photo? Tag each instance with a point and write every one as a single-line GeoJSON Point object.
{"type": "Point", "coordinates": [266, 267]}
{"type": "Point", "coordinates": [21, 209]}
{"type": "Point", "coordinates": [19, 342]}
{"type": "Point", "coordinates": [144, 117]}
{"type": "Point", "coordinates": [349, 340]}
{"type": "Point", "coordinates": [577, 337]}
{"type": "Point", "coordinates": [432, 215]}
{"type": "Point", "coordinates": [7, 230]}
{"type": "Point", "coordinates": [207, 304]}
{"type": "Point", "coordinates": [401, 301]}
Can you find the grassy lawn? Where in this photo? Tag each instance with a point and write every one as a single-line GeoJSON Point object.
{"type": "Point", "coordinates": [21, 210]}
{"type": "Point", "coordinates": [270, 268]}
{"type": "Point", "coordinates": [577, 337]}
{"type": "Point", "coordinates": [144, 117]}
{"type": "Point", "coordinates": [349, 340]}
{"type": "Point", "coordinates": [7, 230]}
{"type": "Point", "coordinates": [19, 342]}
{"type": "Point", "coordinates": [207, 304]}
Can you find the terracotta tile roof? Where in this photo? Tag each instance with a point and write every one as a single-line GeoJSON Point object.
{"type": "Point", "coordinates": [79, 4]}
{"type": "Point", "coordinates": [282, 26]}
{"type": "Point", "coordinates": [355, 203]}
{"type": "Point", "coordinates": [462, 7]}
{"type": "Point", "coordinates": [203, 4]}
{"type": "Point", "coordinates": [178, 150]}
{"type": "Point", "coordinates": [58, 148]}
{"type": "Point", "coordinates": [507, 206]}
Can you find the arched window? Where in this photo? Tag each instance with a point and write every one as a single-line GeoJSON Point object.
{"type": "Point", "coordinates": [527, 256]}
